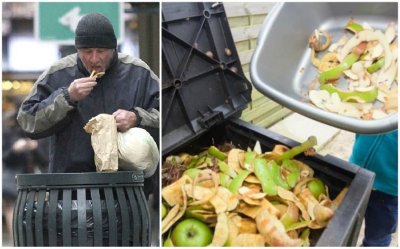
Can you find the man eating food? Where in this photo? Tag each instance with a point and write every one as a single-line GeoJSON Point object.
{"type": "Point", "coordinates": [97, 79]}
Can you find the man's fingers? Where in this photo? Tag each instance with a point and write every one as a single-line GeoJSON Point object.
{"type": "Point", "coordinates": [117, 112]}
{"type": "Point", "coordinates": [85, 84]}
{"type": "Point", "coordinates": [122, 127]}
{"type": "Point", "coordinates": [124, 119]}
{"type": "Point", "coordinates": [86, 91]}
{"type": "Point", "coordinates": [87, 79]}
{"type": "Point", "coordinates": [80, 88]}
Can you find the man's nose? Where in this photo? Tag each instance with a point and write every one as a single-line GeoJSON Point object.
{"type": "Point", "coordinates": [94, 58]}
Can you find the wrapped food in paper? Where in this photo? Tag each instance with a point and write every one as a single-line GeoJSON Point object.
{"type": "Point", "coordinates": [137, 150]}
{"type": "Point", "coordinates": [104, 141]}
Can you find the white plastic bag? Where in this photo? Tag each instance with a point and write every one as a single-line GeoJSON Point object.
{"type": "Point", "coordinates": [137, 150]}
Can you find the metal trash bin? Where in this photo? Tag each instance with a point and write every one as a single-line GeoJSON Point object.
{"type": "Point", "coordinates": [81, 209]}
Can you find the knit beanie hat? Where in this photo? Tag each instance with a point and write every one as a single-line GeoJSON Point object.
{"type": "Point", "coordinates": [95, 31]}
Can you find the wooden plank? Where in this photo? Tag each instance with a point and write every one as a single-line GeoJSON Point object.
{"type": "Point", "coordinates": [245, 9]}
{"type": "Point", "coordinates": [245, 56]}
{"type": "Point", "coordinates": [246, 67]}
{"type": "Point", "coordinates": [247, 74]}
{"type": "Point", "coordinates": [238, 21]}
{"type": "Point", "coordinates": [258, 100]}
{"type": "Point", "coordinates": [256, 104]}
{"type": "Point", "coordinates": [245, 20]}
{"type": "Point", "coordinates": [253, 106]}
{"type": "Point", "coordinates": [256, 94]}
{"type": "Point", "coordinates": [259, 111]}
{"type": "Point", "coordinates": [253, 43]}
{"type": "Point", "coordinates": [267, 112]}
{"type": "Point", "coordinates": [245, 32]}
{"type": "Point", "coordinates": [257, 19]}
{"type": "Point", "coordinates": [242, 45]}
{"type": "Point", "coordinates": [273, 118]}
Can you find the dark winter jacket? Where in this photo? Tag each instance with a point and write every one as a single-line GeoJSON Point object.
{"type": "Point", "coordinates": [47, 111]}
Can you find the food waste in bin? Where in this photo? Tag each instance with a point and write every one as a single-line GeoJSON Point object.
{"type": "Point", "coordinates": [226, 196]}
{"type": "Point", "coordinates": [357, 73]}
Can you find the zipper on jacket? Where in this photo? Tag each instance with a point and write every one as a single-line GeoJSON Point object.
{"type": "Point", "coordinates": [102, 95]}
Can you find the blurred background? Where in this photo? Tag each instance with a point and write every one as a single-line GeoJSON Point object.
{"type": "Point", "coordinates": [35, 35]}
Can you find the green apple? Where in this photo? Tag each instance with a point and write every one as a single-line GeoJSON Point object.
{"type": "Point", "coordinates": [168, 243]}
{"type": "Point", "coordinates": [192, 172]}
{"type": "Point", "coordinates": [191, 233]}
{"type": "Point", "coordinates": [163, 210]}
{"type": "Point", "coordinates": [317, 187]}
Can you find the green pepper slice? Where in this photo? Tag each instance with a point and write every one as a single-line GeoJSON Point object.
{"type": "Point", "coordinates": [354, 27]}
{"type": "Point", "coordinates": [192, 172]}
{"type": "Point", "coordinates": [351, 96]}
{"type": "Point", "coordinates": [290, 165]}
{"type": "Point", "coordinates": [335, 73]}
{"type": "Point", "coordinates": [376, 66]}
{"type": "Point", "coordinates": [309, 143]}
{"type": "Point", "coordinates": [193, 163]}
{"type": "Point", "coordinates": [293, 177]}
{"type": "Point", "coordinates": [214, 151]}
{"type": "Point", "coordinates": [264, 175]}
{"type": "Point", "coordinates": [224, 179]}
{"type": "Point", "coordinates": [304, 236]}
{"type": "Point", "coordinates": [297, 225]}
{"type": "Point", "coordinates": [237, 182]}
{"type": "Point", "coordinates": [275, 173]}
{"type": "Point", "coordinates": [249, 157]}
{"type": "Point", "coordinates": [316, 187]}
{"type": "Point", "coordinates": [224, 167]}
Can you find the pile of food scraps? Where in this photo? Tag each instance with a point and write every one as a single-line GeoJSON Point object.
{"type": "Point", "coordinates": [232, 197]}
{"type": "Point", "coordinates": [358, 73]}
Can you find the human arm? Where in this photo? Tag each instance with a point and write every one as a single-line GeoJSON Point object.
{"type": "Point", "coordinates": [144, 111]}
{"type": "Point", "coordinates": [48, 107]}
{"type": "Point", "coordinates": [137, 117]}
{"type": "Point", "coordinates": [44, 111]}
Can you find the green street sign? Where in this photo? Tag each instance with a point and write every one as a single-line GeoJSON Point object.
{"type": "Point", "coordinates": [57, 21]}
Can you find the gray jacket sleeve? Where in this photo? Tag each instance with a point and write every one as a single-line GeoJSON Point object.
{"type": "Point", "coordinates": [149, 118]}
{"type": "Point", "coordinates": [149, 111]}
{"type": "Point", "coordinates": [44, 110]}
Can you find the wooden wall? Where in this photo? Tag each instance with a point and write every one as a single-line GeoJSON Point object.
{"type": "Point", "coordinates": [245, 20]}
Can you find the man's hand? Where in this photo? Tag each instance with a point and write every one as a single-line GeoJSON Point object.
{"type": "Point", "coordinates": [80, 88]}
{"type": "Point", "coordinates": [124, 119]}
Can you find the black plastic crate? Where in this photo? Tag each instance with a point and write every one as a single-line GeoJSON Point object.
{"type": "Point", "coordinates": [202, 79]}
{"type": "Point", "coordinates": [203, 98]}
{"type": "Point", "coordinates": [343, 229]}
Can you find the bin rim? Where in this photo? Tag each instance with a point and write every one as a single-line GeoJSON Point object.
{"type": "Point", "coordinates": [86, 178]}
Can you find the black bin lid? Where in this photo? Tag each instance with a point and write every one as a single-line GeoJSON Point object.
{"type": "Point", "coordinates": [202, 79]}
